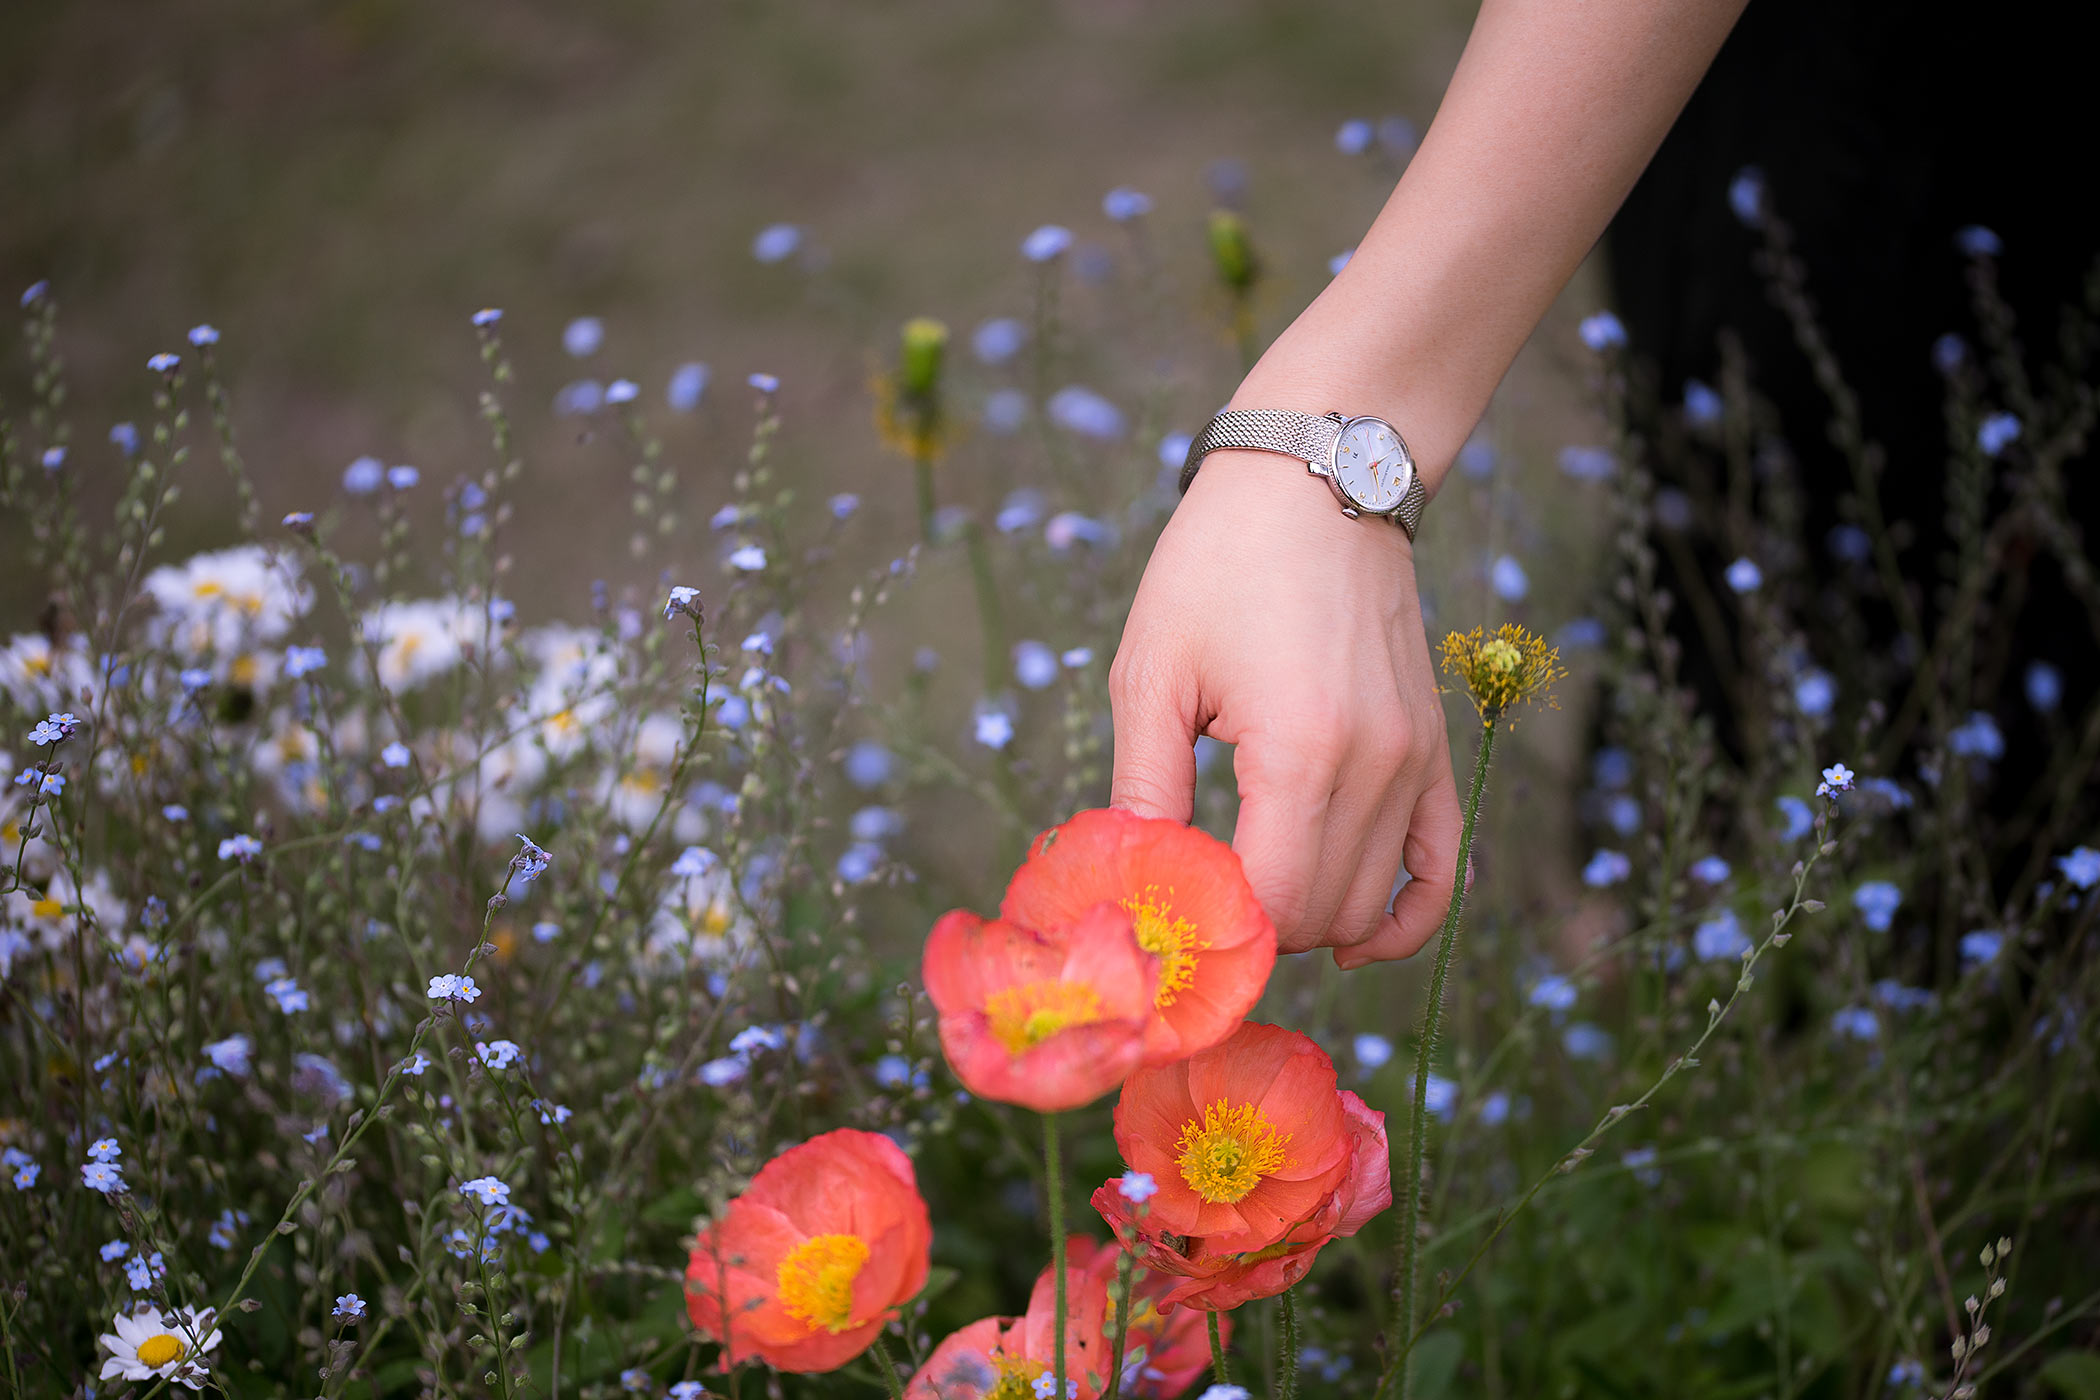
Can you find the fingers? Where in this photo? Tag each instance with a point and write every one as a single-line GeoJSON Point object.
{"type": "Point", "coordinates": [1431, 854]}
{"type": "Point", "coordinates": [1284, 794]}
{"type": "Point", "coordinates": [1370, 889]}
{"type": "Point", "coordinates": [1155, 724]}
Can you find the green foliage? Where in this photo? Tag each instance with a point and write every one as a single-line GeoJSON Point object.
{"type": "Point", "coordinates": [1713, 1129]}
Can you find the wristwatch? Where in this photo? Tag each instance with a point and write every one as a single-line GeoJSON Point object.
{"type": "Point", "coordinates": [1362, 459]}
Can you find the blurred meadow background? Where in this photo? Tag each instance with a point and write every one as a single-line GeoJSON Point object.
{"type": "Point", "coordinates": [337, 189]}
{"type": "Point", "coordinates": [1666, 1153]}
{"type": "Point", "coordinates": [337, 186]}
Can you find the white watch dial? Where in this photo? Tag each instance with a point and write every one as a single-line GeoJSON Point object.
{"type": "Point", "coordinates": [1372, 465]}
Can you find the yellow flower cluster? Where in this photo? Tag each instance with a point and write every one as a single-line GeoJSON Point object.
{"type": "Point", "coordinates": [1503, 670]}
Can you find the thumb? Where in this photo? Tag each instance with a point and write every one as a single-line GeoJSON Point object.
{"type": "Point", "coordinates": [1154, 715]}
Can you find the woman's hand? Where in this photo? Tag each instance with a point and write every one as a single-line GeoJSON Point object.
{"type": "Point", "coordinates": [1269, 620]}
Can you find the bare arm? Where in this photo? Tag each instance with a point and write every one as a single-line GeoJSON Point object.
{"type": "Point", "coordinates": [1556, 108]}
{"type": "Point", "coordinates": [1269, 620]}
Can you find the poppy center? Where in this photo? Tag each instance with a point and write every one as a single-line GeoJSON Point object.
{"type": "Point", "coordinates": [1024, 1016]}
{"type": "Point", "coordinates": [815, 1280]}
{"type": "Point", "coordinates": [160, 1349]}
{"type": "Point", "coordinates": [1017, 1376]}
{"type": "Point", "coordinates": [1169, 937]}
{"type": "Point", "coordinates": [1227, 1153]}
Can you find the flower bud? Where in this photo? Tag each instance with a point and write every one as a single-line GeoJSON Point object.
{"type": "Point", "coordinates": [925, 343]}
{"type": "Point", "coordinates": [1232, 250]}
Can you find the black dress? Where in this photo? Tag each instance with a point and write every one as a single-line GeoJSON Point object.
{"type": "Point", "coordinates": [1881, 128]}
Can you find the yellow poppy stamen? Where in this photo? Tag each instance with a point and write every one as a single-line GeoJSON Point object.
{"type": "Point", "coordinates": [1229, 1151]}
{"type": "Point", "coordinates": [1024, 1016]}
{"type": "Point", "coordinates": [816, 1280]}
{"type": "Point", "coordinates": [1168, 936]}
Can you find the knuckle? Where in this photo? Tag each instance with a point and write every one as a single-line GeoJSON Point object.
{"type": "Point", "coordinates": [1139, 673]}
{"type": "Point", "coordinates": [1388, 747]}
{"type": "Point", "coordinates": [1288, 899]}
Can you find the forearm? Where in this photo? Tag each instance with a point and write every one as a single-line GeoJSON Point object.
{"type": "Point", "coordinates": [1554, 110]}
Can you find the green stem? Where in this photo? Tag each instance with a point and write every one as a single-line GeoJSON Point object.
{"type": "Point", "coordinates": [1418, 1116]}
{"type": "Point", "coordinates": [991, 623]}
{"type": "Point", "coordinates": [1219, 1371]}
{"type": "Point", "coordinates": [991, 618]}
{"type": "Point", "coordinates": [1126, 1280]}
{"type": "Point", "coordinates": [890, 1377]}
{"type": "Point", "coordinates": [922, 470]}
{"type": "Point", "coordinates": [1054, 1189]}
{"type": "Point", "coordinates": [1293, 1343]}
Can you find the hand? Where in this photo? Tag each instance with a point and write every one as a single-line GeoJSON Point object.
{"type": "Point", "coordinates": [1269, 620]}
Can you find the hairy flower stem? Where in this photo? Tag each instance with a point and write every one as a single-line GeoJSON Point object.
{"type": "Point", "coordinates": [1054, 1191]}
{"type": "Point", "coordinates": [1293, 1343]}
{"type": "Point", "coordinates": [1418, 1116]}
{"type": "Point", "coordinates": [1219, 1371]}
{"type": "Point", "coordinates": [1126, 1280]}
{"type": "Point", "coordinates": [891, 1380]}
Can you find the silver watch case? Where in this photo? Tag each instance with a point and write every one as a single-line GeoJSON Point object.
{"type": "Point", "coordinates": [1315, 441]}
{"type": "Point", "coordinates": [1330, 470]}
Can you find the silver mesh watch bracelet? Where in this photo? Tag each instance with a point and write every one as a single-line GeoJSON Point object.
{"type": "Point", "coordinates": [1363, 460]}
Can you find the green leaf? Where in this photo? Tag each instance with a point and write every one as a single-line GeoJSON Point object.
{"type": "Point", "coordinates": [2075, 1375]}
{"type": "Point", "coordinates": [1436, 1361]}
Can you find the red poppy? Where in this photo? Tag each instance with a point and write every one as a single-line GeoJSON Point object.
{"type": "Point", "coordinates": [1168, 1349]}
{"type": "Point", "coordinates": [1050, 1020]}
{"type": "Point", "coordinates": [811, 1261]}
{"type": "Point", "coordinates": [1244, 1140]}
{"type": "Point", "coordinates": [1259, 1161]}
{"type": "Point", "coordinates": [1190, 901]}
{"type": "Point", "coordinates": [999, 1358]}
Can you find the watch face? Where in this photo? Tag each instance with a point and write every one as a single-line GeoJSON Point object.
{"type": "Point", "coordinates": [1372, 465]}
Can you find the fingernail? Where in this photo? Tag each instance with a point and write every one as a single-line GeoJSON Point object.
{"type": "Point", "coordinates": [1469, 874]}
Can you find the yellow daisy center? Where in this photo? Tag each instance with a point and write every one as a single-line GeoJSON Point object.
{"type": "Point", "coordinates": [47, 908]}
{"type": "Point", "coordinates": [1167, 935]}
{"type": "Point", "coordinates": [1228, 1152]}
{"type": "Point", "coordinates": [815, 1281]}
{"type": "Point", "coordinates": [1024, 1016]}
{"type": "Point", "coordinates": [160, 1349]}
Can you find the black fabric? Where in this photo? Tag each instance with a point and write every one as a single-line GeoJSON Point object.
{"type": "Point", "coordinates": [1881, 128]}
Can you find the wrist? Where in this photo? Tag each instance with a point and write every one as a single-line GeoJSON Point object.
{"type": "Point", "coordinates": [1319, 369]}
{"type": "Point", "coordinates": [1265, 501]}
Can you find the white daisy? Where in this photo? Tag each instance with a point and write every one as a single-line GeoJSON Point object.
{"type": "Point", "coordinates": [698, 921]}
{"type": "Point", "coordinates": [421, 639]}
{"type": "Point", "coordinates": [39, 677]}
{"type": "Point", "coordinates": [222, 604]}
{"type": "Point", "coordinates": [152, 1345]}
{"type": "Point", "coordinates": [50, 916]}
{"type": "Point", "coordinates": [38, 857]}
{"type": "Point", "coordinates": [571, 696]}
